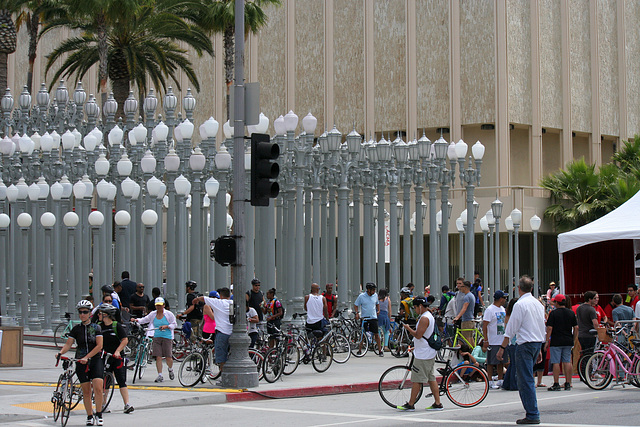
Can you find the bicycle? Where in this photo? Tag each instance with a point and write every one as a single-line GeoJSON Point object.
{"type": "Point", "coordinates": [61, 333]}
{"type": "Point", "coordinates": [604, 365]}
{"type": "Point", "coordinates": [199, 365]}
{"type": "Point", "coordinates": [460, 384]}
{"type": "Point", "coordinates": [68, 393]}
{"type": "Point", "coordinates": [400, 340]}
{"type": "Point", "coordinates": [316, 348]}
{"type": "Point", "coordinates": [361, 341]}
{"type": "Point", "coordinates": [284, 358]}
{"type": "Point", "coordinates": [109, 380]}
{"type": "Point", "coordinates": [143, 358]}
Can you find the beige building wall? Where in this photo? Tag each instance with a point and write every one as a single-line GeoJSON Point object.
{"type": "Point", "coordinates": [557, 79]}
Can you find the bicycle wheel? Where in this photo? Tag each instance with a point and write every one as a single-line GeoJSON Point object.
{"type": "Point", "coordinates": [212, 372]}
{"type": "Point", "coordinates": [258, 359]}
{"type": "Point", "coordinates": [292, 359]}
{"type": "Point", "coordinates": [68, 404]}
{"type": "Point", "coordinates": [273, 365]}
{"type": "Point", "coordinates": [140, 364]}
{"type": "Point", "coordinates": [399, 344]}
{"type": "Point", "coordinates": [597, 373]}
{"type": "Point", "coordinates": [181, 346]}
{"type": "Point", "coordinates": [466, 386]}
{"type": "Point", "coordinates": [395, 385]}
{"type": "Point", "coordinates": [635, 374]}
{"type": "Point", "coordinates": [144, 360]}
{"type": "Point", "coordinates": [76, 391]}
{"type": "Point", "coordinates": [444, 354]}
{"type": "Point", "coordinates": [129, 352]}
{"type": "Point", "coordinates": [358, 343]}
{"type": "Point", "coordinates": [56, 399]}
{"type": "Point", "coordinates": [191, 370]}
{"type": "Point", "coordinates": [109, 384]}
{"type": "Point", "coordinates": [341, 348]}
{"type": "Point", "coordinates": [60, 335]}
{"type": "Point", "coordinates": [322, 357]}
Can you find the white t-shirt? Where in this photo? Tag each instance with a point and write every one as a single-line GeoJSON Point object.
{"type": "Point", "coordinates": [253, 327]}
{"type": "Point", "coordinates": [495, 316]}
{"type": "Point", "coordinates": [220, 309]}
{"type": "Point", "coordinates": [315, 309]}
{"type": "Point", "coordinates": [422, 348]}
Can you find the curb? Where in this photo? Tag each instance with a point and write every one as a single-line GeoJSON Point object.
{"type": "Point", "coordinates": [301, 392]}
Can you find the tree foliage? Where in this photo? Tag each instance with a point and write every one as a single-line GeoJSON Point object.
{"type": "Point", "coordinates": [581, 194]}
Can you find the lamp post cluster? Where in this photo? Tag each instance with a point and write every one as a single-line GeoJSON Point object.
{"type": "Point", "coordinates": [167, 197]}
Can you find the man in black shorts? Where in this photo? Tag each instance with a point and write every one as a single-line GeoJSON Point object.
{"type": "Point", "coordinates": [89, 367]}
{"type": "Point", "coordinates": [114, 340]}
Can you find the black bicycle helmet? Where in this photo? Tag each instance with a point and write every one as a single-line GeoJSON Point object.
{"type": "Point", "coordinates": [420, 301]}
{"type": "Point", "coordinates": [108, 308]}
{"type": "Point", "coordinates": [107, 289]}
{"type": "Point", "coordinates": [191, 284]}
{"type": "Point", "coordinates": [370, 285]}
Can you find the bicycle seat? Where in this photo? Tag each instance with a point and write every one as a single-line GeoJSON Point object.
{"type": "Point", "coordinates": [593, 332]}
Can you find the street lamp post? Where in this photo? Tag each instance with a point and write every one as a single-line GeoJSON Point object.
{"type": "Point", "coordinates": [196, 164]}
{"type": "Point", "coordinates": [516, 217]}
{"type": "Point", "coordinates": [508, 222]}
{"type": "Point", "coordinates": [71, 220]}
{"type": "Point", "coordinates": [183, 188]}
{"type": "Point", "coordinates": [211, 186]}
{"type": "Point", "coordinates": [5, 221]}
{"type": "Point", "coordinates": [96, 220]}
{"type": "Point", "coordinates": [491, 279]}
{"type": "Point", "coordinates": [24, 222]}
{"type": "Point", "coordinates": [440, 151]}
{"type": "Point", "coordinates": [535, 223]}
{"type": "Point", "coordinates": [496, 211]}
{"type": "Point", "coordinates": [484, 226]}
{"type": "Point", "coordinates": [149, 219]}
{"type": "Point", "coordinates": [461, 229]}
{"type": "Point", "coordinates": [122, 220]}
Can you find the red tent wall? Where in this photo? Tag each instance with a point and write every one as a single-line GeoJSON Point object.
{"type": "Point", "coordinates": [604, 267]}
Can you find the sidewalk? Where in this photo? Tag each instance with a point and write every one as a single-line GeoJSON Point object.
{"type": "Point", "coordinates": [357, 375]}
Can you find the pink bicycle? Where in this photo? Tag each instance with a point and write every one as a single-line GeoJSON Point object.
{"type": "Point", "coordinates": [614, 361]}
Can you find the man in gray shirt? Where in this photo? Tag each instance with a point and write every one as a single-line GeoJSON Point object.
{"type": "Point", "coordinates": [621, 312]}
{"type": "Point", "coordinates": [465, 303]}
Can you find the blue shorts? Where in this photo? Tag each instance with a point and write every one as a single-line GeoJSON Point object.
{"type": "Point", "coordinates": [560, 354]}
{"type": "Point", "coordinates": [222, 347]}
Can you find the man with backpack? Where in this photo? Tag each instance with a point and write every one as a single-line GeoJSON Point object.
{"type": "Point", "coordinates": [422, 372]}
{"type": "Point", "coordinates": [445, 299]}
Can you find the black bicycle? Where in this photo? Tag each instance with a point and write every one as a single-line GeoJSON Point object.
{"type": "Point", "coordinates": [68, 393]}
{"type": "Point", "coordinates": [465, 385]}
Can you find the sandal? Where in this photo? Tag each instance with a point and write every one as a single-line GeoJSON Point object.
{"type": "Point", "coordinates": [541, 385]}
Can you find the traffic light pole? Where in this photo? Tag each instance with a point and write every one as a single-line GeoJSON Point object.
{"type": "Point", "coordinates": [239, 371]}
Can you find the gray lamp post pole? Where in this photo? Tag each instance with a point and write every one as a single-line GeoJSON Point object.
{"type": "Point", "coordinates": [212, 186]}
{"type": "Point", "coordinates": [223, 163]}
{"type": "Point", "coordinates": [496, 210]}
{"type": "Point", "coordinates": [196, 164]}
{"type": "Point", "coordinates": [24, 222]}
{"type": "Point", "coordinates": [171, 164]}
{"type": "Point", "coordinates": [407, 175]}
{"type": "Point", "coordinates": [183, 188]}
{"type": "Point", "coordinates": [461, 229]}
{"type": "Point", "coordinates": [71, 220]}
{"type": "Point", "coordinates": [516, 217]}
{"type": "Point", "coordinates": [535, 223]}
{"type": "Point", "coordinates": [383, 149]}
{"type": "Point", "coordinates": [368, 273]}
{"type": "Point", "coordinates": [5, 221]}
{"type": "Point", "coordinates": [508, 222]}
{"type": "Point", "coordinates": [484, 226]}
{"type": "Point", "coordinates": [149, 219]}
{"type": "Point", "coordinates": [96, 220]}
{"type": "Point", "coordinates": [122, 220]}
{"type": "Point", "coordinates": [443, 175]}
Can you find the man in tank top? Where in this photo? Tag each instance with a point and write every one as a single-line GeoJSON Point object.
{"type": "Point", "coordinates": [316, 306]}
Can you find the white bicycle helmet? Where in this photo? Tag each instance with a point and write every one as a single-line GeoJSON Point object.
{"type": "Point", "coordinates": [84, 304]}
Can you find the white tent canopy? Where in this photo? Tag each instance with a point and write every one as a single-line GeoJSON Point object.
{"type": "Point", "coordinates": [622, 223]}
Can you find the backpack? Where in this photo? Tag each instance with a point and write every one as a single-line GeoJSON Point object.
{"type": "Point", "coordinates": [447, 297]}
{"type": "Point", "coordinates": [409, 311]}
{"type": "Point", "coordinates": [434, 341]}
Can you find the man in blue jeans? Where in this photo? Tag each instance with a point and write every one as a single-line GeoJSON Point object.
{"type": "Point", "coordinates": [527, 325]}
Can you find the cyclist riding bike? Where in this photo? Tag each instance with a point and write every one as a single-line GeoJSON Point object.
{"type": "Point", "coordinates": [89, 368]}
{"type": "Point", "coordinates": [115, 339]}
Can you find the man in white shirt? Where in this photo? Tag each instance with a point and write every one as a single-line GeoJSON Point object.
{"type": "Point", "coordinates": [527, 324]}
{"type": "Point", "coordinates": [493, 331]}
{"type": "Point", "coordinates": [221, 310]}
{"type": "Point", "coordinates": [422, 371]}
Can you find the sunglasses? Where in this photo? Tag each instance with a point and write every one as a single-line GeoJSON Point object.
{"type": "Point", "coordinates": [107, 300]}
{"type": "Point", "coordinates": [83, 312]}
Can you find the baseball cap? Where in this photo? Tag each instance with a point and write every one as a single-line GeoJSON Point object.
{"type": "Point", "coordinates": [214, 294]}
{"type": "Point", "coordinates": [255, 281]}
{"type": "Point", "coordinates": [159, 301]}
{"type": "Point", "coordinates": [499, 294]}
{"type": "Point", "coordinates": [420, 301]}
{"type": "Point", "coordinates": [558, 298]}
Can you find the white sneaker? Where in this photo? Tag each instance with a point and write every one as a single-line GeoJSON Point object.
{"type": "Point", "coordinates": [159, 379]}
{"type": "Point", "coordinates": [499, 383]}
{"type": "Point", "coordinates": [494, 378]}
{"type": "Point", "coordinates": [493, 385]}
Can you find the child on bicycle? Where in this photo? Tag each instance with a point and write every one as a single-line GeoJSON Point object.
{"type": "Point", "coordinates": [89, 366]}
{"type": "Point", "coordinates": [115, 340]}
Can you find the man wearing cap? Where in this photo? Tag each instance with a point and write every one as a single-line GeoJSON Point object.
{"type": "Point", "coordinates": [493, 331]}
{"type": "Point", "coordinates": [422, 372]}
{"type": "Point", "coordinates": [527, 325]}
{"type": "Point", "coordinates": [162, 322]}
{"type": "Point", "coordinates": [562, 331]}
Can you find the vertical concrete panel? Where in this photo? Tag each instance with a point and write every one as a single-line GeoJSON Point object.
{"type": "Point", "coordinates": [550, 154]}
{"type": "Point", "coordinates": [520, 164]}
{"type": "Point", "coordinates": [581, 148]}
{"type": "Point", "coordinates": [608, 47]}
{"type": "Point", "coordinates": [580, 63]}
{"type": "Point", "coordinates": [309, 84]}
{"type": "Point", "coordinates": [348, 44]}
{"type": "Point", "coordinates": [272, 63]}
{"type": "Point", "coordinates": [519, 60]}
{"type": "Point", "coordinates": [489, 169]}
{"type": "Point", "coordinates": [478, 66]}
{"type": "Point", "coordinates": [390, 69]}
{"type": "Point", "coordinates": [550, 64]}
{"type": "Point", "coordinates": [632, 18]}
{"type": "Point", "coordinates": [432, 66]}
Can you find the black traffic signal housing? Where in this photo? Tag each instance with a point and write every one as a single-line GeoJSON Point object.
{"type": "Point", "coordinates": [223, 250]}
{"type": "Point", "coordinates": [264, 169]}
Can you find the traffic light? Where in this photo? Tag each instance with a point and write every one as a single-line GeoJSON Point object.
{"type": "Point", "coordinates": [223, 250]}
{"type": "Point", "coordinates": [264, 169]}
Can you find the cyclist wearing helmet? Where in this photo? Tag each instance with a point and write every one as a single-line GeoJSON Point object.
{"type": "Point", "coordinates": [109, 290]}
{"type": "Point", "coordinates": [407, 311]}
{"type": "Point", "coordinates": [89, 367]}
{"type": "Point", "coordinates": [114, 339]}
{"type": "Point", "coordinates": [369, 305]}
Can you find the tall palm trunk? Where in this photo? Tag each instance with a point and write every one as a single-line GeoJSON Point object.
{"type": "Point", "coordinates": [34, 23]}
{"type": "Point", "coordinates": [8, 39]}
{"type": "Point", "coordinates": [103, 49]}
{"type": "Point", "coordinates": [120, 93]}
{"type": "Point", "coordinates": [229, 61]}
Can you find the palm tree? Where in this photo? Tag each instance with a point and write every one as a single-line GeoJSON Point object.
{"type": "Point", "coordinates": [141, 38]}
{"type": "Point", "coordinates": [222, 20]}
{"type": "Point", "coordinates": [628, 158]}
{"type": "Point", "coordinates": [579, 195]}
{"type": "Point", "coordinates": [8, 37]}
